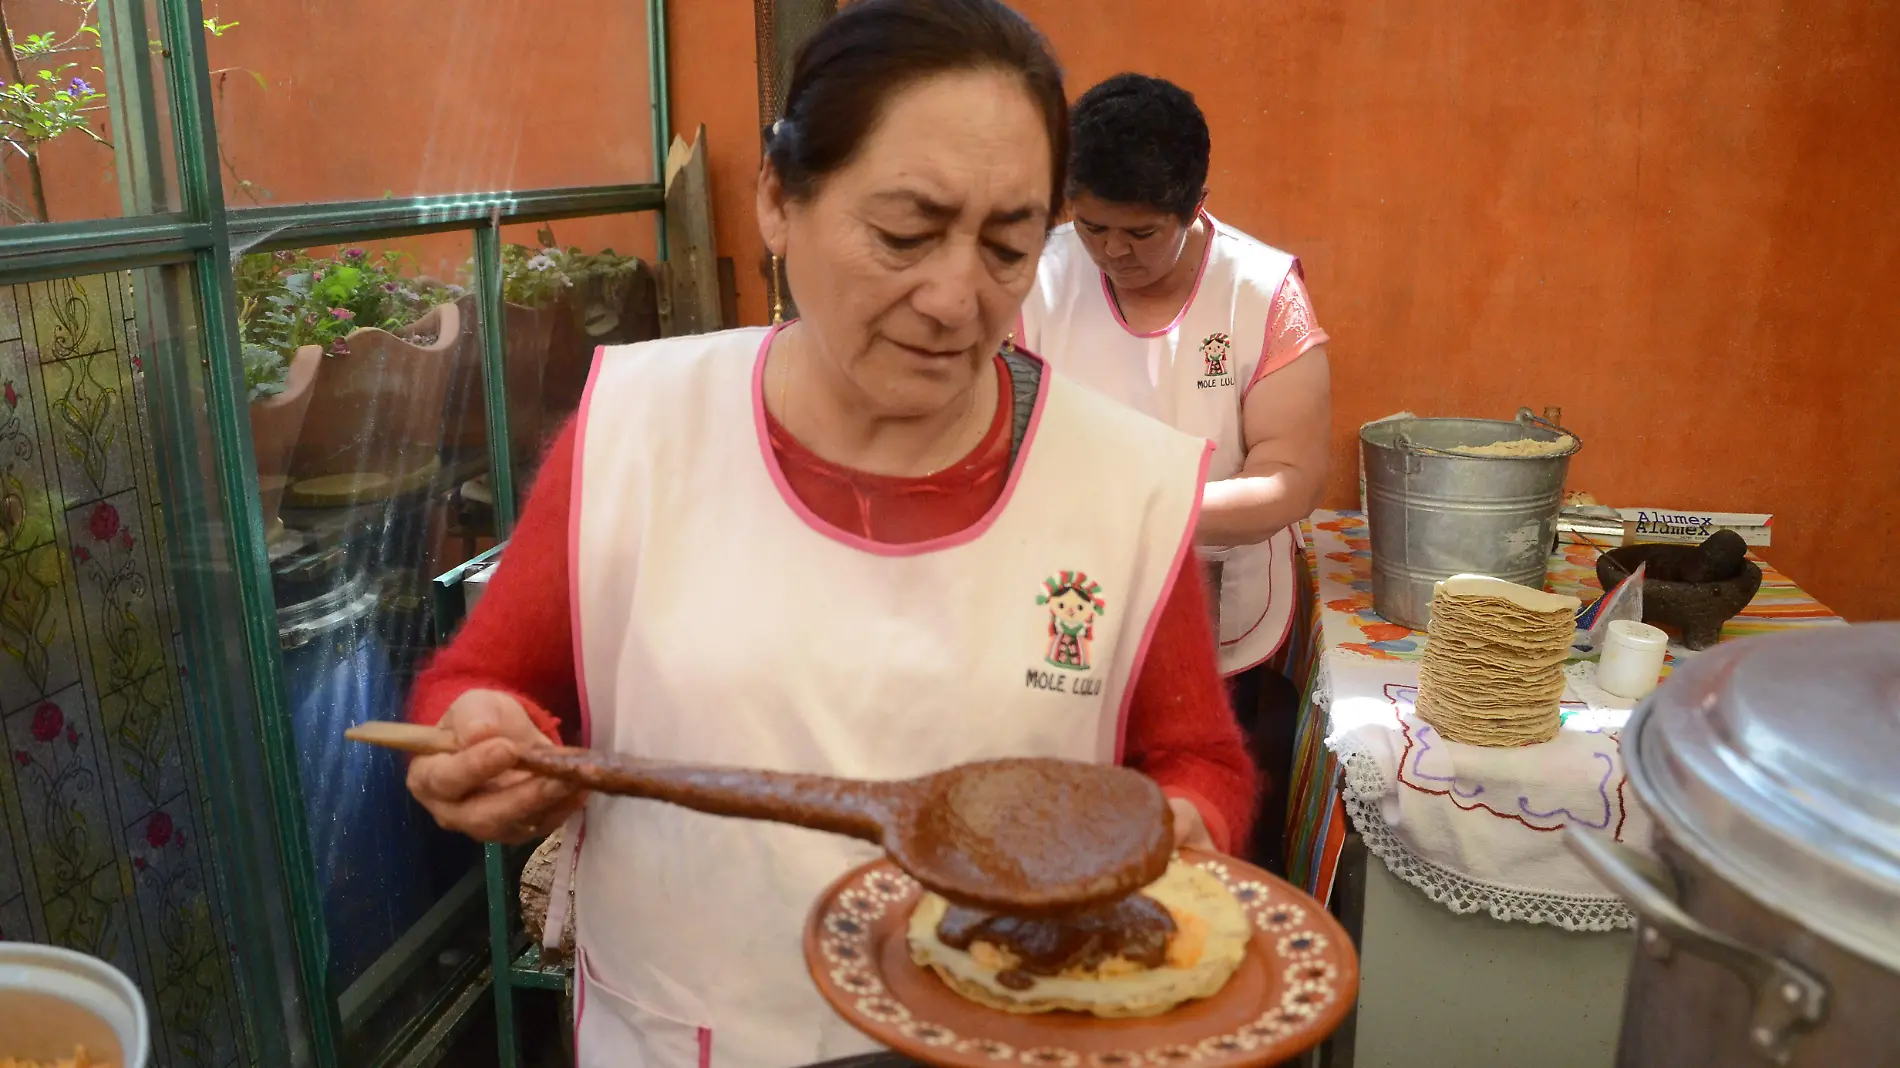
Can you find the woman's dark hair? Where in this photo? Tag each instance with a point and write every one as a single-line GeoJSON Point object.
{"type": "Point", "coordinates": [858, 58]}
{"type": "Point", "coordinates": [1140, 140]}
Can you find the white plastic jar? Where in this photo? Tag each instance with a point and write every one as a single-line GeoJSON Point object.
{"type": "Point", "coordinates": [1632, 660]}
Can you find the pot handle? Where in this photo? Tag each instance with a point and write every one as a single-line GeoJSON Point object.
{"type": "Point", "coordinates": [1788, 1000]}
{"type": "Point", "coordinates": [1525, 415]}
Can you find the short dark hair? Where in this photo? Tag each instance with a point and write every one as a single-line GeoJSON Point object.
{"type": "Point", "coordinates": [858, 58]}
{"type": "Point", "coordinates": [1140, 140]}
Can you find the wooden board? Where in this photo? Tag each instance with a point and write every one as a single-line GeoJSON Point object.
{"type": "Point", "coordinates": [690, 301]}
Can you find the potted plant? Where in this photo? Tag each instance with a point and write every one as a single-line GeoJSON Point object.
{"type": "Point", "coordinates": [559, 305]}
{"type": "Point", "coordinates": [280, 393]}
{"type": "Point", "coordinates": [278, 383]}
{"type": "Point", "coordinates": [533, 285]}
{"type": "Point", "coordinates": [385, 351]}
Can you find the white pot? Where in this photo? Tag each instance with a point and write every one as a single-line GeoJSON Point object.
{"type": "Point", "coordinates": [52, 1000]}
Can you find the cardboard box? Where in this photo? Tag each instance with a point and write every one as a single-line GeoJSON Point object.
{"type": "Point", "coordinates": [1690, 527]}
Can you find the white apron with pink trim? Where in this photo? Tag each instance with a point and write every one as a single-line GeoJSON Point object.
{"type": "Point", "coordinates": [718, 620]}
{"type": "Point", "coordinates": [1192, 376]}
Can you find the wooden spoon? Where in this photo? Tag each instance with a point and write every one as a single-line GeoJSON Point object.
{"type": "Point", "coordinates": [1023, 835]}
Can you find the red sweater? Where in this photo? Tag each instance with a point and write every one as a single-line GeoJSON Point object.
{"type": "Point", "coordinates": [520, 637]}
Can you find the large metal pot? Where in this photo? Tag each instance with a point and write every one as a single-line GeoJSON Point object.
{"type": "Point", "coordinates": [1772, 769]}
{"type": "Point", "coordinates": [1436, 512]}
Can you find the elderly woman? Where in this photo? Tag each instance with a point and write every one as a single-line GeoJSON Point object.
{"type": "Point", "coordinates": [871, 543]}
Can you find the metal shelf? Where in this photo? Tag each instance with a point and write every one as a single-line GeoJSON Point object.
{"type": "Point", "coordinates": [530, 974]}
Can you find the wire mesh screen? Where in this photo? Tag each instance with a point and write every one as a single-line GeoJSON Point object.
{"type": "Point", "coordinates": [781, 26]}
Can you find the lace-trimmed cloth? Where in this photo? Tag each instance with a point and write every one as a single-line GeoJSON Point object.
{"type": "Point", "coordinates": [1478, 828]}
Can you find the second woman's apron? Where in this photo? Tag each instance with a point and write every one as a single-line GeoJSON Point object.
{"type": "Point", "coordinates": [1192, 375]}
{"type": "Point", "coordinates": [718, 620]}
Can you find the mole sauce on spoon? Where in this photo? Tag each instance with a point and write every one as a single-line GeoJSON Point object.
{"type": "Point", "coordinates": [1025, 836]}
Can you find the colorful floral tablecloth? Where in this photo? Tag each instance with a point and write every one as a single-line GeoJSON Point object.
{"type": "Point", "coordinates": [1471, 827]}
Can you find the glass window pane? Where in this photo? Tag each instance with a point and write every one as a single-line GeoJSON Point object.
{"type": "Point", "coordinates": [362, 99]}
{"type": "Point", "coordinates": [568, 288]}
{"type": "Point", "coordinates": [362, 363]}
{"type": "Point", "coordinates": [84, 122]}
{"type": "Point", "coordinates": [124, 833]}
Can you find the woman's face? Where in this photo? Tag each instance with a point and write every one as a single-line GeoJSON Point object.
{"type": "Point", "coordinates": [909, 264]}
{"type": "Point", "coordinates": [1134, 245]}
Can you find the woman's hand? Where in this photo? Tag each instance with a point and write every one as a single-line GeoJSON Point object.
{"type": "Point", "coordinates": [480, 791]}
{"type": "Point", "coordinates": [1190, 831]}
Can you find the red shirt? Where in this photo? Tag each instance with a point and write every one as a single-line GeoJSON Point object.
{"type": "Point", "coordinates": [520, 637]}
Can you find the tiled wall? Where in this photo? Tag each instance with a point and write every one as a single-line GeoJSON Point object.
{"type": "Point", "coordinates": [104, 826]}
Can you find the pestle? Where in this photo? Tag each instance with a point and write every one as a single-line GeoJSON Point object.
{"type": "Point", "coordinates": [1024, 835]}
{"type": "Point", "coordinates": [1717, 559]}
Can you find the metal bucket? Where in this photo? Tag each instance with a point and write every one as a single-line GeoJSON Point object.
{"type": "Point", "coordinates": [1435, 512]}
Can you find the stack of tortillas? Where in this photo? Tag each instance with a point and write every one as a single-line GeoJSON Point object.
{"type": "Point", "coordinates": [1493, 669]}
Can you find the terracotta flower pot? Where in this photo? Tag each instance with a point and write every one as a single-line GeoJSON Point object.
{"type": "Point", "coordinates": [528, 338]}
{"type": "Point", "coordinates": [276, 423]}
{"type": "Point", "coordinates": [378, 407]}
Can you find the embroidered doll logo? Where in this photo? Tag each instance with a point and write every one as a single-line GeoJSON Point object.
{"type": "Point", "coordinates": [1214, 350]}
{"type": "Point", "coordinates": [1073, 602]}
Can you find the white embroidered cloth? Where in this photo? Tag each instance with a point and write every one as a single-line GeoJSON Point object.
{"type": "Point", "coordinates": [1474, 827]}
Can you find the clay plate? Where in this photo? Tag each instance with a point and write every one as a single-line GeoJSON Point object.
{"type": "Point", "coordinates": [1298, 981]}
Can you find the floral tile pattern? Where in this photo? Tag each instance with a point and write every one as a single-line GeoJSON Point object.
{"type": "Point", "coordinates": [102, 840]}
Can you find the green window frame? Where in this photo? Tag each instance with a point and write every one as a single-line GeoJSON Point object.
{"type": "Point", "coordinates": [219, 503]}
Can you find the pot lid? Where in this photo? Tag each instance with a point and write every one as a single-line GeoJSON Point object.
{"type": "Point", "coordinates": [1776, 762]}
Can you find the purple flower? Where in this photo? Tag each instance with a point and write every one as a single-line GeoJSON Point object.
{"type": "Point", "coordinates": [338, 348]}
{"type": "Point", "coordinates": [354, 253]}
{"type": "Point", "coordinates": [344, 314]}
{"type": "Point", "coordinates": [388, 287]}
{"type": "Point", "coordinates": [80, 87]}
{"type": "Point", "coordinates": [48, 721]}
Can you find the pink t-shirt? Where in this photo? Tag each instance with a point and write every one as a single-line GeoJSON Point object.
{"type": "Point", "coordinates": [1292, 328]}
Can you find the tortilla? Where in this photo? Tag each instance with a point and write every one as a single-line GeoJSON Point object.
{"type": "Point", "coordinates": [1492, 673]}
{"type": "Point", "coordinates": [1204, 911]}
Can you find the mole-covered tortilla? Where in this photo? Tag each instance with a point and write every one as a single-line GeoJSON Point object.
{"type": "Point", "coordinates": [1180, 938]}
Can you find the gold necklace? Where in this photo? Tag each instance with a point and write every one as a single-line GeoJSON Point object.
{"type": "Point", "coordinates": [784, 386]}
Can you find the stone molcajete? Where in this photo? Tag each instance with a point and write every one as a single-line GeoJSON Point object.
{"type": "Point", "coordinates": [1693, 588]}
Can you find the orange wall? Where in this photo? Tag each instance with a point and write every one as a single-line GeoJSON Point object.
{"type": "Point", "coordinates": [1675, 220]}
{"type": "Point", "coordinates": [323, 100]}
